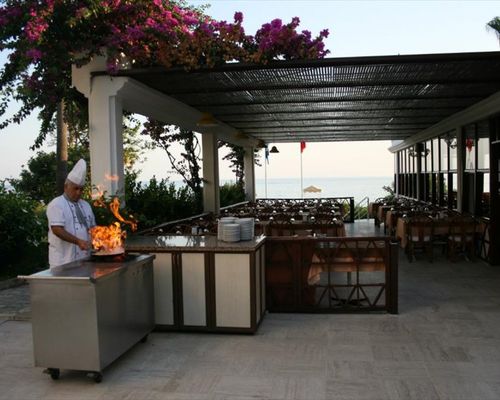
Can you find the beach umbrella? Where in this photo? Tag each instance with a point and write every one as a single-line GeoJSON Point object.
{"type": "Point", "coordinates": [312, 189]}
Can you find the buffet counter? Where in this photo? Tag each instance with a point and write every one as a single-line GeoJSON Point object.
{"type": "Point", "coordinates": [204, 284]}
{"type": "Point", "coordinates": [192, 243]}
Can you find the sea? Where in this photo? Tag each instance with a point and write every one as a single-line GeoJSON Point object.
{"type": "Point", "coordinates": [348, 186]}
{"type": "Point", "coordinates": [357, 187]}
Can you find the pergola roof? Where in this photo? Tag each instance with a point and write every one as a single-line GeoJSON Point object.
{"type": "Point", "coordinates": [334, 99]}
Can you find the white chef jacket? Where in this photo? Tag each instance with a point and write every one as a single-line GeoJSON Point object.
{"type": "Point", "coordinates": [61, 212]}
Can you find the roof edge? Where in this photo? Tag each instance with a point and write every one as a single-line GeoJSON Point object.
{"type": "Point", "coordinates": [331, 61]}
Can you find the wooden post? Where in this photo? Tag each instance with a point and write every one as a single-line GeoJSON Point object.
{"type": "Point", "coordinates": [393, 306]}
{"type": "Point", "coordinates": [494, 249]}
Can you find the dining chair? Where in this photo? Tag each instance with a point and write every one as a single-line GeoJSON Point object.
{"type": "Point", "coordinates": [440, 233]}
{"type": "Point", "coordinates": [335, 259]}
{"type": "Point", "coordinates": [419, 235]}
{"type": "Point", "coordinates": [328, 226]}
{"type": "Point", "coordinates": [461, 238]}
{"type": "Point", "coordinates": [392, 221]}
{"type": "Point", "coordinates": [280, 225]}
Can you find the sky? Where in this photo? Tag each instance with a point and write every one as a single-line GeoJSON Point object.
{"type": "Point", "coordinates": [357, 28]}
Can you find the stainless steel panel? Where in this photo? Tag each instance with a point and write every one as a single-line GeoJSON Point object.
{"type": "Point", "coordinates": [125, 311]}
{"type": "Point", "coordinates": [85, 324]}
{"type": "Point", "coordinates": [64, 324]}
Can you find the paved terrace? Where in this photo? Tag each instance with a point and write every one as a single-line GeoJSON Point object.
{"type": "Point", "coordinates": [444, 344]}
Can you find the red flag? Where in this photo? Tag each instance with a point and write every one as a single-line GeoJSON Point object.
{"type": "Point", "coordinates": [302, 146]}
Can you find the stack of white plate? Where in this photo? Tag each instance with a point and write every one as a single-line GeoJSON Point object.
{"type": "Point", "coordinates": [231, 233]}
{"type": "Point", "coordinates": [222, 222]}
{"type": "Point", "coordinates": [247, 228]}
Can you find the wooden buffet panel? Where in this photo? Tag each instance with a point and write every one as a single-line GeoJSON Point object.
{"type": "Point", "coordinates": [202, 284]}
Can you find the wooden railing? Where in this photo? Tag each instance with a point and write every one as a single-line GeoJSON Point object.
{"type": "Point", "coordinates": [331, 274]}
{"type": "Point", "coordinates": [183, 226]}
{"type": "Point", "coordinates": [332, 229]}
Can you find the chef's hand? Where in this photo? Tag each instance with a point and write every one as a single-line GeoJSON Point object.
{"type": "Point", "coordinates": [83, 244]}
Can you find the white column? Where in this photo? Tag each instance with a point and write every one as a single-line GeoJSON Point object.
{"type": "Point", "coordinates": [249, 171]}
{"type": "Point", "coordinates": [420, 190]}
{"type": "Point", "coordinates": [105, 135]}
{"type": "Point", "coordinates": [265, 174]}
{"type": "Point", "coordinates": [211, 201]}
{"type": "Point", "coordinates": [396, 173]}
{"type": "Point", "coordinates": [460, 168]}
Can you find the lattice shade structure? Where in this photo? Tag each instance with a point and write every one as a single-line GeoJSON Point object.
{"type": "Point", "coordinates": [335, 99]}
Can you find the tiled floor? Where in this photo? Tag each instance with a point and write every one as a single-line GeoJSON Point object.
{"type": "Point", "coordinates": [444, 344]}
{"type": "Point", "coordinates": [15, 303]}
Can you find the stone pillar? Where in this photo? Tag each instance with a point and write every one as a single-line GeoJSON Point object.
{"type": "Point", "coordinates": [249, 171]}
{"type": "Point", "coordinates": [105, 136]}
{"type": "Point", "coordinates": [211, 202]}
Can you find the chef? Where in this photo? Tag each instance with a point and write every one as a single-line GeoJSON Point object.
{"type": "Point", "coordinates": [69, 219]}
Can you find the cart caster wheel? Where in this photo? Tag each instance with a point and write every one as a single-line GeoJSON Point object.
{"type": "Point", "coordinates": [97, 376]}
{"type": "Point", "coordinates": [144, 339]}
{"type": "Point", "coordinates": [54, 373]}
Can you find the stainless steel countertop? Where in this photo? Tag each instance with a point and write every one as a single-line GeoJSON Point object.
{"type": "Point", "coordinates": [87, 269]}
{"type": "Point", "coordinates": [190, 243]}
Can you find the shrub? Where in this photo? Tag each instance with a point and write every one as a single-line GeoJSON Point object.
{"type": "Point", "coordinates": [231, 193]}
{"type": "Point", "coordinates": [158, 201]}
{"type": "Point", "coordinates": [391, 194]}
{"type": "Point", "coordinates": [23, 233]}
{"type": "Point", "coordinates": [361, 212]}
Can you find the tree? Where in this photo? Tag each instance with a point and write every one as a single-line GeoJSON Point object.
{"type": "Point", "coordinates": [62, 149]}
{"type": "Point", "coordinates": [494, 25]}
{"type": "Point", "coordinates": [37, 180]}
{"type": "Point", "coordinates": [235, 157]}
{"type": "Point", "coordinates": [45, 37]}
{"type": "Point", "coordinates": [189, 165]}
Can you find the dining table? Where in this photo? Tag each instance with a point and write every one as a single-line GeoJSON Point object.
{"type": "Point", "coordinates": [437, 226]}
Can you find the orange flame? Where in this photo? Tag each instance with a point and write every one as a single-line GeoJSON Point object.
{"type": "Point", "coordinates": [114, 206]}
{"type": "Point", "coordinates": [107, 238]}
{"type": "Point", "coordinates": [113, 178]}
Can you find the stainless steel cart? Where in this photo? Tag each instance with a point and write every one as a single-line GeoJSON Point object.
{"type": "Point", "coordinates": [85, 314]}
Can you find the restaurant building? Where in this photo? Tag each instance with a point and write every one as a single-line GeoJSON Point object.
{"type": "Point", "coordinates": [457, 168]}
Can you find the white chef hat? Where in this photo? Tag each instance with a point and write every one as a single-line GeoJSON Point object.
{"type": "Point", "coordinates": [78, 173]}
